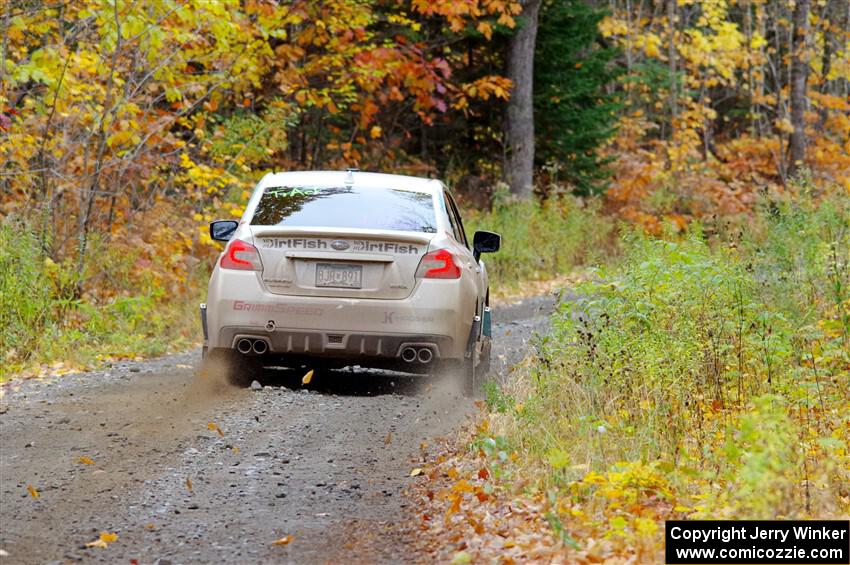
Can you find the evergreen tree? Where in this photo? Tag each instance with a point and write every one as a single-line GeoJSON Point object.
{"type": "Point", "coordinates": [574, 114]}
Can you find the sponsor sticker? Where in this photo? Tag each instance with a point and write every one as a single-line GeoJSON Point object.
{"type": "Point", "coordinates": [395, 317]}
{"type": "Point", "coordinates": [274, 308]}
{"type": "Point", "coordinates": [354, 246]}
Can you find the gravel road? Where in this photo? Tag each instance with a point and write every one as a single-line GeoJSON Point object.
{"type": "Point", "coordinates": [186, 470]}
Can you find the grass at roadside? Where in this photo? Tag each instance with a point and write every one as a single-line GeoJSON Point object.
{"type": "Point", "coordinates": [541, 241]}
{"type": "Point", "coordinates": [700, 377]}
{"type": "Point", "coordinates": [140, 303]}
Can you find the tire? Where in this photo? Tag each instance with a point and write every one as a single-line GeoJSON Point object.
{"type": "Point", "coordinates": [231, 366]}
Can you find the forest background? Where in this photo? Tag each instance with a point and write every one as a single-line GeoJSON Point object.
{"type": "Point", "coordinates": [690, 160]}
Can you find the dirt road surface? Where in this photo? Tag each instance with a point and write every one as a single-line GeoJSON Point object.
{"type": "Point", "coordinates": [186, 470]}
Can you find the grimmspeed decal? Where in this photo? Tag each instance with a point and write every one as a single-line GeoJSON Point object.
{"type": "Point", "coordinates": [354, 247]}
{"type": "Point", "coordinates": [276, 308]}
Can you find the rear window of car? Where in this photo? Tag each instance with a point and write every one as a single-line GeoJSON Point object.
{"type": "Point", "coordinates": [346, 207]}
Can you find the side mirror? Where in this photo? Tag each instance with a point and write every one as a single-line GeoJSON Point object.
{"type": "Point", "coordinates": [223, 230]}
{"type": "Point", "coordinates": [485, 242]}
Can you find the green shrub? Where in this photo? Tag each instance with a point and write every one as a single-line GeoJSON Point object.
{"type": "Point", "coordinates": [25, 296]}
{"type": "Point", "coordinates": [43, 320]}
{"type": "Point", "coordinates": [540, 241]}
{"type": "Point", "coordinates": [723, 363]}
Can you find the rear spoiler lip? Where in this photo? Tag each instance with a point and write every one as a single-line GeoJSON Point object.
{"type": "Point", "coordinates": [344, 233]}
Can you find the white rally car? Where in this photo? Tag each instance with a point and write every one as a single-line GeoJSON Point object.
{"type": "Point", "coordinates": [331, 269]}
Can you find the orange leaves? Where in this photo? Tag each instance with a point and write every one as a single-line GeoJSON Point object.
{"type": "Point", "coordinates": [305, 380]}
{"type": "Point", "coordinates": [285, 540]}
{"type": "Point", "coordinates": [481, 521]}
{"type": "Point", "coordinates": [103, 540]}
{"type": "Point", "coordinates": [86, 460]}
{"type": "Point", "coordinates": [454, 506]}
{"type": "Point", "coordinates": [463, 486]}
{"type": "Point", "coordinates": [485, 88]}
{"type": "Point", "coordinates": [213, 426]}
{"type": "Point", "coordinates": [33, 491]}
{"type": "Point", "coordinates": [458, 13]}
{"type": "Point", "coordinates": [486, 29]}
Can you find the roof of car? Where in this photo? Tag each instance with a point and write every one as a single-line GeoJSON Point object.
{"type": "Point", "coordinates": [340, 178]}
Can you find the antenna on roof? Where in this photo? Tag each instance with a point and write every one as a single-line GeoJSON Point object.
{"type": "Point", "coordinates": [349, 175]}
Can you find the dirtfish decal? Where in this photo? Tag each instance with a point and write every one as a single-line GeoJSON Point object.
{"type": "Point", "coordinates": [356, 245]}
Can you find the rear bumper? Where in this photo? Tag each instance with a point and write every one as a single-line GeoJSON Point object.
{"type": "Point", "coordinates": [337, 345]}
{"type": "Point", "coordinates": [337, 328]}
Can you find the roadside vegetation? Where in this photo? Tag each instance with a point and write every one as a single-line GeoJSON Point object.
{"type": "Point", "coordinates": [705, 374]}
{"type": "Point", "coordinates": [543, 240]}
{"type": "Point", "coordinates": [140, 299]}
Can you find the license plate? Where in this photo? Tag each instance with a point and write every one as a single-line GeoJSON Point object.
{"type": "Point", "coordinates": [339, 276]}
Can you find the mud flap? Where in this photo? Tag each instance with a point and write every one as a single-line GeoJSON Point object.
{"type": "Point", "coordinates": [203, 309]}
{"type": "Point", "coordinates": [474, 334]}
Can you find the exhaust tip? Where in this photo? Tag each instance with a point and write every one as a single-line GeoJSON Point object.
{"type": "Point", "coordinates": [425, 355]}
{"type": "Point", "coordinates": [244, 346]}
{"type": "Point", "coordinates": [260, 346]}
{"type": "Point", "coordinates": [408, 354]}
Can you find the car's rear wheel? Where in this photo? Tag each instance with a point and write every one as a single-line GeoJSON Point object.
{"type": "Point", "coordinates": [232, 366]}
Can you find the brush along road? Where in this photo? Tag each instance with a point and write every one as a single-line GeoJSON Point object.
{"type": "Point", "coordinates": [189, 470]}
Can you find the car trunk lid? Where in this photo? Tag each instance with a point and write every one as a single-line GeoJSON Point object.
{"type": "Point", "coordinates": [340, 262]}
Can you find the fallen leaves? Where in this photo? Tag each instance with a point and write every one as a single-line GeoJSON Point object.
{"type": "Point", "coordinates": [86, 460]}
{"type": "Point", "coordinates": [389, 439]}
{"type": "Point", "coordinates": [216, 428]}
{"type": "Point", "coordinates": [189, 484]}
{"type": "Point", "coordinates": [285, 540]}
{"type": "Point", "coordinates": [416, 472]}
{"type": "Point", "coordinates": [103, 540]}
{"type": "Point", "coordinates": [305, 380]}
{"type": "Point", "coordinates": [482, 520]}
{"type": "Point", "coordinates": [33, 491]}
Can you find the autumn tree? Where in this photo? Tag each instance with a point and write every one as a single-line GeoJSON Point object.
{"type": "Point", "coordinates": [118, 115]}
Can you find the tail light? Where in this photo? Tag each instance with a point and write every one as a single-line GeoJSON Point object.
{"type": "Point", "coordinates": [438, 264]}
{"type": "Point", "coordinates": [241, 256]}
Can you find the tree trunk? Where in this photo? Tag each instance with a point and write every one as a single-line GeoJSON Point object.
{"type": "Point", "coordinates": [520, 122]}
{"type": "Point", "coordinates": [799, 80]}
{"type": "Point", "coordinates": [671, 56]}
